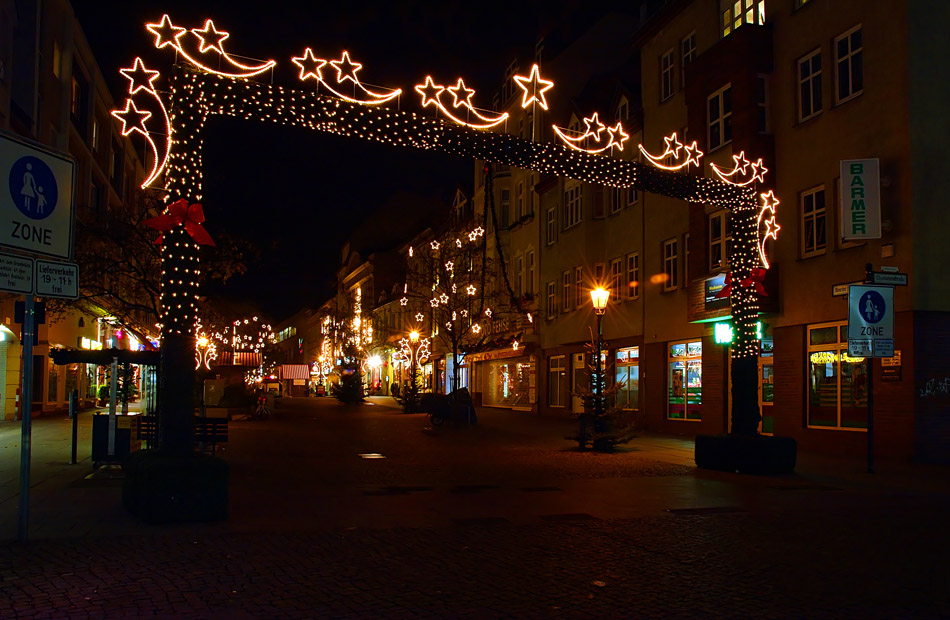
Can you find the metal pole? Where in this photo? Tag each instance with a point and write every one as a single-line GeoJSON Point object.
{"type": "Point", "coordinates": [870, 415]}
{"type": "Point", "coordinates": [25, 429]}
{"type": "Point", "coordinates": [598, 403]}
{"type": "Point", "coordinates": [74, 416]}
{"type": "Point", "coordinates": [112, 399]}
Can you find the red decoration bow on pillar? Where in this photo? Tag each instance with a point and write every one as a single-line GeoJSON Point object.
{"type": "Point", "coordinates": [755, 280]}
{"type": "Point", "coordinates": [179, 212]}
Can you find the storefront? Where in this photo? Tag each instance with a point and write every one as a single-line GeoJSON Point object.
{"type": "Point", "coordinates": [505, 378]}
{"type": "Point", "coordinates": [685, 364]}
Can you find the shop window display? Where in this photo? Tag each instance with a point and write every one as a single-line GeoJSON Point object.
{"type": "Point", "coordinates": [686, 381]}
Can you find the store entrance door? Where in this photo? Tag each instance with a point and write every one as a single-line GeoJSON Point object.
{"type": "Point", "coordinates": [580, 381]}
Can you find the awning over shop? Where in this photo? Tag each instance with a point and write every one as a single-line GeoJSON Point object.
{"type": "Point", "coordinates": [294, 371]}
{"type": "Point", "coordinates": [104, 357]}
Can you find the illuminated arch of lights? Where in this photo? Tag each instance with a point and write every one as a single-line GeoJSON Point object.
{"type": "Point", "coordinates": [220, 83]}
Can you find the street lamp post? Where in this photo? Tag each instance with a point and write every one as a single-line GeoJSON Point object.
{"type": "Point", "coordinates": [599, 297]}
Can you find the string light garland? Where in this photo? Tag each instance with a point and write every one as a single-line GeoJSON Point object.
{"type": "Point", "coordinates": [431, 94]}
{"type": "Point", "coordinates": [312, 67]}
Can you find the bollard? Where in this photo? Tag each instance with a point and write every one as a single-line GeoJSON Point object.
{"type": "Point", "coordinates": [74, 416]}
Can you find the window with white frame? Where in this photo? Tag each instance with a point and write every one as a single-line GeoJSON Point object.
{"type": "Point", "coordinates": [519, 275]}
{"type": "Point", "coordinates": [837, 382]}
{"type": "Point", "coordinates": [719, 108]}
{"type": "Point", "coordinates": [736, 13]}
{"type": "Point", "coordinates": [557, 381]}
{"type": "Point", "coordinates": [529, 273]}
{"type": "Point", "coordinates": [551, 225]}
{"type": "Point", "coordinates": [616, 279]}
{"type": "Point", "coordinates": [633, 276]}
{"type": "Point", "coordinates": [666, 75]}
{"type": "Point", "coordinates": [552, 300]}
{"type": "Point", "coordinates": [618, 199]}
{"type": "Point", "coordinates": [628, 376]}
{"type": "Point", "coordinates": [849, 65]}
{"type": "Point", "coordinates": [573, 203]}
{"type": "Point", "coordinates": [579, 285]}
{"type": "Point", "coordinates": [814, 234]}
{"type": "Point", "coordinates": [720, 239]}
{"type": "Point", "coordinates": [671, 264]}
{"type": "Point", "coordinates": [519, 198]}
{"type": "Point", "coordinates": [687, 55]}
{"type": "Point", "coordinates": [809, 85]}
{"type": "Point", "coordinates": [567, 290]}
{"type": "Point", "coordinates": [599, 274]}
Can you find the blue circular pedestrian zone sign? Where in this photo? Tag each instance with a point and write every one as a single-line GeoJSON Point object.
{"type": "Point", "coordinates": [871, 307]}
{"type": "Point", "coordinates": [33, 187]}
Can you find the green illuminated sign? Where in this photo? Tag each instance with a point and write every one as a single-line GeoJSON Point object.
{"type": "Point", "coordinates": [723, 332]}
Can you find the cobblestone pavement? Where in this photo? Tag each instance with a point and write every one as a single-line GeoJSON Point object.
{"type": "Point", "coordinates": [513, 524]}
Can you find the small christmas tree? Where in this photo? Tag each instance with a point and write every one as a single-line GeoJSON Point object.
{"type": "Point", "coordinates": [410, 391]}
{"type": "Point", "coordinates": [349, 390]}
{"type": "Point", "coordinates": [615, 425]}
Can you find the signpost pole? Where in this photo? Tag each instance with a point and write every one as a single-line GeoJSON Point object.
{"type": "Point", "coordinates": [870, 415]}
{"type": "Point", "coordinates": [29, 325]}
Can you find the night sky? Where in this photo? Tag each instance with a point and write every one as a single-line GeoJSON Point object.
{"type": "Point", "coordinates": [298, 195]}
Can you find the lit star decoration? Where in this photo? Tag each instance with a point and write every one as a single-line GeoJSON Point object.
{"type": "Point", "coordinates": [769, 202]}
{"type": "Point", "coordinates": [533, 87]}
{"type": "Point", "coordinates": [209, 41]}
{"type": "Point", "coordinates": [434, 245]}
{"type": "Point", "coordinates": [431, 94]}
{"type": "Point", "coordinates": [132, 118]}
{"type": "Point", "coordinates": [673, 146]}
{"type": "Point", "coordinates": [470, 289]}
{"type": "Point", "coordinates": [312, 67]}
{"type": "Point", "coordinates": [403, 301]}
{"type": "Point", "coordinates": [593, 133]}
{"type": "Point", "coordinates": [734, 176]}
{"type": "Point", "coordinates": [142, 84]}
{"type": "Point", "coordinates": [419, 317]}
{"type": "Point", "coordinates": [449, 266]}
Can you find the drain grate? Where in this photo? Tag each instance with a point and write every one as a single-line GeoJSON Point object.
{"type": "Point", "coordinates": [482, 521]}
{"type": "Point", "coordinates": [540, 489]}
{"type": "Point", "coordinates": [396, 490]}
{"type": "Point", "coordinates": [570, 516]}
{"type": "Point", "coordinates": [712, 510]}
{"type": "Point", "coordinates": [471, 488]}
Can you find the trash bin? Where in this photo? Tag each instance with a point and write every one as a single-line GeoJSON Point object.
{"type": "Point", "coordinates": [100, 439]}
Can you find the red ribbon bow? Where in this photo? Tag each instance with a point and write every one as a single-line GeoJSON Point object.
{"type": "Point", "coordinates": [179, 212]}
{"type": "Point", "coordinates": [755, 280]}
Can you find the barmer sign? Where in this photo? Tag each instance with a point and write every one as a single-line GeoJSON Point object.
{"type": "Point", "coordinates": [860, 199]}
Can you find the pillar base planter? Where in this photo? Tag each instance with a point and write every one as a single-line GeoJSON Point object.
{"type": "Point", "coordinates": [757, 454]}
{"type": "Point", "coordinates": [189, 488]}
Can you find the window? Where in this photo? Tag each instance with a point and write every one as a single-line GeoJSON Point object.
{"type": "Point", "coordinates": [97, 200]}
{"type": "Point", "coordinates": [623, 110]}
{"type": "Point", "coordinates": [720, 240]}
{"type": "Point", "coordinates": [599, 269]}
{"type": "Point", "coordinates": [505, 208]}
{"type": "Point", "coordinates": [849, 65]}
{"type": "Point", "coordinates": [618, 199]}
{"type": "Point", "coordinates": [687, 54]}
{"type": "Point", "coordinates": [736, 13]}
{"type": "Point", "coordinates": [579, 285]}
{"type": "Point", "coordinates": [809, 85]}
{"type": "Point", "coordinates": [573, 203]}
{"type": "Point", "coordinates": [719, 107]}
{"type": "Point", "coordinates": [666, 75]}
{"type": "Point", "coordinates": [686, 381]}
{"type": "Point", "coordinates": [78, 102]}
{"type": "Point", "coordinates": [813, 222]}
{"type": "Point", "coordinates": [552, 225]}
{"type": "Point", "coordinates": [762, 103]}
{"type": "Point", "coordinates": [552, 300]}
{"type": "Point", "coordinates": [95, 135]}
{"type": "Point", "coordinates": [529, 273]}
{"type": "Point", "coordinates": [519, 197]}
{"type": "Point", "coordinates": [508, 85]}
{"type": "Point", "coordinates": [670, 264]}
{"type": "Point", "coordinates": [567, 290]}
{"type": "Point", "coordinates": [616, 279]}
{"type": "Point", "coordinates": [557, 381]}
{"type": "Point", "coordinates": [57, 59]}
{"type": "Point", "coordinates": [628, 374]}
{"type": "Point", "coordinates": [598, 209]}
{"type": "Point", "coordinates": [837, 382]}
{"type": "Point", "coordinates": [519, 275]}
{"type": "Point", "coordinates": [116, 168]}
{"type": "Point", "coordinates": [633, 276]}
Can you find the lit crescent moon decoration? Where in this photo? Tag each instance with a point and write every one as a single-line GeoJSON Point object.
{"type": "Point", "coordinates": [201, 44]}
{"type": "Point", "coordinates": [734, 176]}
{"type": "Point", "coordinates": [142, 80]}
{"type": "Point", "coordinates": [461, 98]}
{"type": "Point", "coordinates": [673, 147]}
{"type": "Point", "coordinates": [593, 130]}
{"type": "Point", "coordinates": [769, 202]}
{"type": "Point", "coordinates": [312, 67]}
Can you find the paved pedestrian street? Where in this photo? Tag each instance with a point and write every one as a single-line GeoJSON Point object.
{"type": "Point", "coordinates": [501, 520]}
